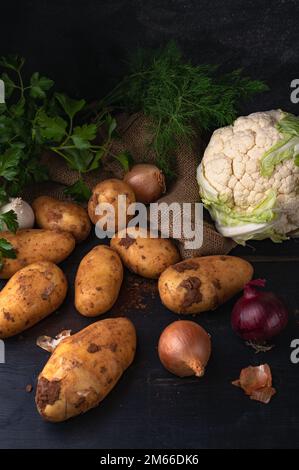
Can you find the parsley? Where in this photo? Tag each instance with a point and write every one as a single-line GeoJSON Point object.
{"type": "Point", "coordinates": [39, 86]}
{"type": "Point", "coordinates": [35, 119]}
{"type": "Point", "coordinates": [79, 191]}
{"type": "Point", "coordinates": [125, 159]}
{"type": "Point", "coordinates": [9, 163]}
{"type": "Point", "coordinates": [9, 221]}
{"type": "Point", "coordinates": [6, 251]}
{"type": "Point", "coordinates": [19, 163]}
{"type": "Point", "coordinates": [76, 143]}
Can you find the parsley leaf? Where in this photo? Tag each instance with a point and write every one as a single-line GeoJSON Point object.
{"type": "Point", "coordinates": [9, 85]}
{"type": "Point", "coordinates": [79, 159]}
{"type": "Point", "coordinates": [78, 191]}
{"type": "Point", "coordinates": [83, 135]}
{"type": "Point", "coordinates": [51, 128]}
{"type": "Point", "coordinates": [17, 110]}
{"type": "Point", "coordinates": [9, 163]}
{"type": "Point", "coordinates": [6, 129]}
{"type": "Point", "coordinates": [6, 251]}
{"type": "Point", "coordinates": [13, 62]}
{"type": "Point", "coordinates": [97, 158]}
{"type": "Point", "coordinates": [125, 159]}
{"type": "Point", "coordinates": [39, 85]}
{"type": "Point", "coordinates": [86, 132]}
{"type": "Point", "coordinates": [3, 195]}
{"type": "Point", "coordinates": [3, 108]}
{"type": "Point", "coordinates": [71, 107]}
{"type": "Point", "coordinates": [9, 221]}
{"type": "Point", "coordinates": [111, 124]}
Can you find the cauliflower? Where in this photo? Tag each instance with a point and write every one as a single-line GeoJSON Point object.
{"type": "Point", "coordinates": [249, 176]}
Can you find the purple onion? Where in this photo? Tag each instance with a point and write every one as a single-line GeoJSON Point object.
{"type": "Point", "coordinates": [258, 315]}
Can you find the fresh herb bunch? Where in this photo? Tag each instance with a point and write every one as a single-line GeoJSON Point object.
{"type": "Point", "coordinates": [76, 143]}
{"type": "Point", "coordinates": [19, 162]}
{"type": "Point", "coordinates": [35, 119]}
{"type": "Point", "coordinates": [179, 97]}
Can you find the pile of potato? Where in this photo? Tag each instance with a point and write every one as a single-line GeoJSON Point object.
{"type": "Point", "coordinates": [83, 368]}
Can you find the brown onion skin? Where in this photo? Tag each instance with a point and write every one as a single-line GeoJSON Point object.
{"type": "Point", "coordinates": [184, 348]}
{"type": "Point", "coordinates": [147, 182]}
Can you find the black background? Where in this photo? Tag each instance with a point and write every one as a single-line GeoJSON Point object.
{"type": "Point", "coordinates": [82, 46]}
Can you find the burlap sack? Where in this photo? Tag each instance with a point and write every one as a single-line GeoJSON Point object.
{"type": "Point", "coordinates": [135, 132]}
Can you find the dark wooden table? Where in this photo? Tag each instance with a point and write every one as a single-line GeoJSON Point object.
{"type": "Point", "coordinates": [150, 408]}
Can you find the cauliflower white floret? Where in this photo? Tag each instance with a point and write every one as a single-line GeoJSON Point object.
{"type": "Point", "coordinates": [249, 176]}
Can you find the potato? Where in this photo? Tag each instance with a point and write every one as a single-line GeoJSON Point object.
{"type": "Point", "coordinates": [143, 255]}
{"type": "Point", "coordinates": [52, 214]}
{"type": "Point", "coordinates": [29, 296]}
{"type": "Point", "coordinates": [200, 284]}
{"type": "Point", "coordinates": [84, 368]}
{"type": "Point", "coordinates": [107, 192]}
{"type": "Point", "coordinates": [98, 281]}
{"type": "Point", "coordinates": [33, 245]}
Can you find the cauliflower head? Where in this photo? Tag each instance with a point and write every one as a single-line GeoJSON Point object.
{"type": "Point", "coordinates": [249, 177]}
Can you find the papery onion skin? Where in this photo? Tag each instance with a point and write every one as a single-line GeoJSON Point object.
{"type": "Point", "coordinates": [258, 316]}
{"type": "Point", "coordinates": [147, 182]}
{"type": "Point", "coordinates": [256, 381]}
{"type": "Point", "coordinates": [184, 348]}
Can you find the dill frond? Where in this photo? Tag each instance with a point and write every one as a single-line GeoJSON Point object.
{"type": "Point", "coordinates": [180, 97]}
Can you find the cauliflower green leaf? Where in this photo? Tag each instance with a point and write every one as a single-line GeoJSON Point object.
{"type": "Point", "coordinates": [226, 216]}
{"type": "Point", "coordinates": [284, 149]}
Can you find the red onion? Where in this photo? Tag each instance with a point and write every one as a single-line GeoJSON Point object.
{"type": "Point", "coordinates": [258, 315]}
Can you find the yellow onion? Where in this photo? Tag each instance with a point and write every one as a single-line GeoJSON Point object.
{"type": "Point", "coordinates": [147, 182]}
{"type": "Point", "coordinates": [184, 348]}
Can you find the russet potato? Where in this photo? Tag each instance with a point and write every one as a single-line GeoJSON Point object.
{"type": "Point", "coordinates": [53, 214]}
{"type": "Point", "coordinates": [30, 295]}
{"type": "Point", "coordinates": [201, 284]}
{"type": "Point", "coordinates": [32, 245]}
{"type": "Point", "coordinates": [144, 255]}
{"type": "Point", "coordinates": [107, 192]}
{"type": "Point", "coordinates": [84, 368]}
{"type": "Point", "coordinates": [98, 281]}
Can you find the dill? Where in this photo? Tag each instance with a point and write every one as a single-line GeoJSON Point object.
{"type": "Point", "coordinates": [180, 98]}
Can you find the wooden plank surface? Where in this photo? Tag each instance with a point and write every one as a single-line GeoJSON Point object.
{"type": "Point", "coordinates": [150, 408]}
